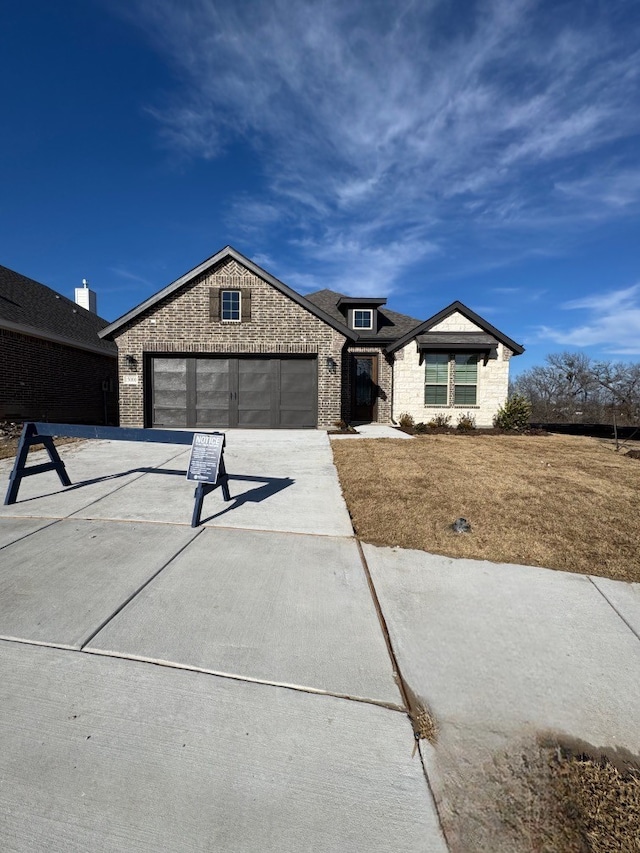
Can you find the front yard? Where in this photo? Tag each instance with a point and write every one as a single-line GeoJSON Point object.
{"type": "Point", "coordinates": [563, 502]}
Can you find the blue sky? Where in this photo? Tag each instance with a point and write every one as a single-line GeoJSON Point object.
{"type": "Point", "coordinates": [424, 151]}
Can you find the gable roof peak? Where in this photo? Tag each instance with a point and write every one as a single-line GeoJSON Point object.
{"type": "Point", "coordinates": [223, 254]}
{"type": "Point", "coordinates": [460, 308]}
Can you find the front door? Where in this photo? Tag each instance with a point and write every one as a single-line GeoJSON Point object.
{"type": "Point", "coordinates": [365, 388]}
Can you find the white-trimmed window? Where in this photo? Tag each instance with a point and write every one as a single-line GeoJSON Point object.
{"type": "Point", "coordinates": [363, 318]}
{"type": "Point", "coordinates": [230, 307]}
{"type": "Point", "coordinates": [450, 380]}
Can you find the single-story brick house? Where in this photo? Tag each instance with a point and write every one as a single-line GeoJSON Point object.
{"type": "Point", "coordinates": [228, 345]}
{"type": "Point", "coordinates": [53, 364]}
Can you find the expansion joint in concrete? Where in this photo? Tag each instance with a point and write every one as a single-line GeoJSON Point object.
{"type": "Point", "coordinates": [405, 691]}
{"type": "Point", "coordinates": [615, 609]}
{"type": "Point", "coordinates": [27, 535]}
{"type": "Point", "coordinates": [136, 592]}
{"type": "Point", "coordinates": [122, 485]}
{"type": "Point", "coordinates": [245, 679]}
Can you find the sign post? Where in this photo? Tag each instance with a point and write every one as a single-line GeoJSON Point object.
{"type": "Point", "coordinates": [206, 468]}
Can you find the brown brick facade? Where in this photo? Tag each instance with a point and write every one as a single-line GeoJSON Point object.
{"type": "Point", "coordinates": [181, 323]}
{"type": "Point", "coordinates": [43, 380]}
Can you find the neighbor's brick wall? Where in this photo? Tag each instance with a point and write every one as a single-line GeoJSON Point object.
{"type": "Point", "coordinates": [43, 380]}
{"type": "Point", "coordinates": [181, 324]}
{"type": "Point", "coordinates": [409, 380]}
{"type": "Point", "coordinates": [385, 382]}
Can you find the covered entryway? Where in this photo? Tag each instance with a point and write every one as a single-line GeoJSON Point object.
{"type": "Point", "coordinates": [233, 391]}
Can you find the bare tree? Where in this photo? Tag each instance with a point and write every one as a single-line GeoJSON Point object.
{"type": "Point", "coordinates": [571, 388]}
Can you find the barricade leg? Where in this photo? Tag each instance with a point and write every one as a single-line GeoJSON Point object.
{"type": "Point", "coordinates": [17, 472]}
{"type": "Point", "coordinates": [28, 438]}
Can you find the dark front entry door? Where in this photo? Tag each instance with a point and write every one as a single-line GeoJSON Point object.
{"type": "Point", "coordinates": [365, 388]}
{"type": "Point", "coordinates": [234, 391]}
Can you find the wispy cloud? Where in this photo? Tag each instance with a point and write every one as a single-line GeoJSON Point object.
{"type": "Point", "coordinates": [615, 300]}
{"type": "Point", "coordinates": [384, 126]}
{"type": "Point", "coordinates": [604, 191]}
{"type": "Point", "coordinates": [612, 323]}
{"type": "Point", "coordinates": [131, 277]}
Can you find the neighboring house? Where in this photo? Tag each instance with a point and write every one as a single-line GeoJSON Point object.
{"type": "Point", "coordinates": [228, 345]}
{"type": "Point", "coordinates": [53, 364]}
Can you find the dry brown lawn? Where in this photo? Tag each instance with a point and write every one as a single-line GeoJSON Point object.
{"type": "Point", "coordinates": [9, 447]}
{"type": "Point", "coordinates": [543, 797]}
{"type": "Point", "coordinates": [564, 502]}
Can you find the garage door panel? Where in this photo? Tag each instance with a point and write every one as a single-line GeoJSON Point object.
{"type": "Point", "coordinates": [170, 392]}
{"type": "Point", "coordinates": [293, 419]}
{"type": "Point", "coordinates": [255, 392]}
{"type": "Point", "coordinates": [172, 381]}
{"type": "Point", "coordinates": [213, 417]}
{"type": "Point", "coordinates": [170, 365]}
{"type": "Point", "coordinates": [170, 417]}
{"type": "Point", "coordinates": [254, 418]}
{"type": "Point", "coordinates": [169, 399]}
{"type": "Point", "coordinates": [215, 393]}
{"type": "Point", "coordinates": [297, 366]}
{"type": "Point", "coordinates": [213, 383]}
{"type": "Point", "coordinates": [234, 391]}
{"type": "Point", "coordinates": [298, 383]}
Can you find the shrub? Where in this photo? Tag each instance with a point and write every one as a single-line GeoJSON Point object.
{"type": "Point", "coordinates": [406, 420]}
{"type": "Point", "coordinates": [343, 426]}
{"type": "Point", "coordinates": [466, 422]}
{"type": "Point", "coordinates": [421, 428]}
{"type": "Point", "coordinates": [514, 414]}
{"type": "Point", "coordinates": [440, 422]}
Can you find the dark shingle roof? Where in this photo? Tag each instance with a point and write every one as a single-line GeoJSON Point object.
{"type": "Point", "coordinates": [33, 308]}
{"type": "Point", "coordinates": [391, 325]}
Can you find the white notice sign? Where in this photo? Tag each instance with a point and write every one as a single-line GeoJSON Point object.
{"type": "Point", "coordinates": [130, 379]}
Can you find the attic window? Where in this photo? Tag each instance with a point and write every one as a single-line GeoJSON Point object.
{"type": "Point", "coordinates": [230, 306]}
{"type": "Point", "coordinates": [363, 318]}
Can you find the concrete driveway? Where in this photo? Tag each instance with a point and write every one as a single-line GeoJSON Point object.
{"type": "Point", "coordinates": [225, 688]}
{"type": "Point", "coordinates": [235, 687]}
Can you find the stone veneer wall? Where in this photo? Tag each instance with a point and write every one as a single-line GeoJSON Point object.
{"type": "Point", "coordinates": [181, 324]}
{"type": "Point", "coordinates": [409, 380]}
{"type": "Point", "coordinates": [385, 382]}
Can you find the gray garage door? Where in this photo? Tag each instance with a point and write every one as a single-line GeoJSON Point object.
{"type": "Point", "coordinates": [212, 391]}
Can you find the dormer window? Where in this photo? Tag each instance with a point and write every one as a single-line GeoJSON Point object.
{"type": "Point", "coordinates": [361, 312]}
{"type": "Point", "coordinates": [363, 318]}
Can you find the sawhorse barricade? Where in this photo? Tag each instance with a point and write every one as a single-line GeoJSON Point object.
{"type": "Point", "coordinates": [36, 432]}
